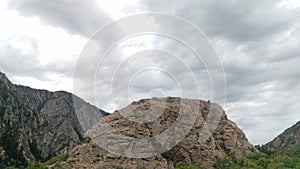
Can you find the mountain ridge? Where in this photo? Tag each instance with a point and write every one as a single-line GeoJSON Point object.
{"type": "Point", "coordinates": [37, 124]}
{"type": "Point", "coordinates": [284, 141]}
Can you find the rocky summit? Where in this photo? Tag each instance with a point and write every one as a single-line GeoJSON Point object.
{"type": "Point", "coordinates": [36, 125]}
{"type": "Point", "coordinates": [285, 141]}
{"type": "Point", "coordinates": [158, 133]}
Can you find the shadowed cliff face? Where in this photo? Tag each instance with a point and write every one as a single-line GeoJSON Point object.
{"type": "Point", "coordinates": [285, 141]}
{"type": "Point", "coordinates": [37, 124]}
{"type": "Point", "coordinates": [225, 138]}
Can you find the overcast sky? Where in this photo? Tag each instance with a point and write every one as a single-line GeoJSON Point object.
{"type": "Point", "coordinates": [42, 44]}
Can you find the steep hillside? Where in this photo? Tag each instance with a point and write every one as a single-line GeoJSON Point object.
{"type": "Point", "coordinates": [37, 124]}
{"type": "Point", "coordinates": [226, 139]}
{"type": "Point", "coordinates": [285, 141]}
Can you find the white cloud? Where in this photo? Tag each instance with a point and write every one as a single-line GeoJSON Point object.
{"type": "Point", "coordinates": [119, 9]}
{"type": "Point", "coordinates": [37, 55]}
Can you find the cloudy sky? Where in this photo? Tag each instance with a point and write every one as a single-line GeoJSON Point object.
{"type": "Point", "coordinates": [249, 54]}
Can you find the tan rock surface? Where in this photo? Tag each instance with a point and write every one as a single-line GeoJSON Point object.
{"type": "Point", "coordinates": [226, 137]}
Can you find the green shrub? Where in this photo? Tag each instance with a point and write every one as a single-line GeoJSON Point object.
{"type": "Point", "coordinates": [259, 161]}
{"type": "Point", "coordinates": [85, 140]}
{"type": "Point", "coordinates": [167, 155]}
{"type": "Point", "coordinates": [36, 166]}
{"type": "Point", "coordinates": [294, 151]}
{"type": "Point", "coordinates": [10, 167]}
{"type": "Point", "coordinates": [56, 159]}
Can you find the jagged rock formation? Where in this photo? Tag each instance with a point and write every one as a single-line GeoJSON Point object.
{"type": "Point", "coordinates": [91, 156]}
{"type": "Point", "coordinates": [226, 138]}
{"type": "Point", "coordinates": [285, 141]}
{"type": "Point", "coordinates": [37, 124]}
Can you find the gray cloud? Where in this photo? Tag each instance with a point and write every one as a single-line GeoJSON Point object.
{"type": "Point", "coordinates": [257, 41]}
{"type": "Point", "coordinates": [25, 63]}
{"type": "Point", "coordinates": [15, 61]}
{"type": "Point", "coordinates": [79, 17]}
{"type": "Point", "coordinates": [238, 20]}
{"type": "Point", "coordinates": [256, 76]}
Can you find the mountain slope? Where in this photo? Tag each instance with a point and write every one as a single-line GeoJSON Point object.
{"type": "Point", "coordinates": [37, 124]}
{"type": "Point", "coordinates": [285, 141]}
{"type": "Point", "coordinates": [226, 139]}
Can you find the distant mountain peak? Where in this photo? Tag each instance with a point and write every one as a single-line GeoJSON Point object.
{"type": "Point", "coordinates": [284, 141]}
{"type": "Point", "coordinates": [4, 80]}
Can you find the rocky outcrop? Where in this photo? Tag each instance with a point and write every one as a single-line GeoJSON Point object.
{"type": "Point", "coordinates": [144, 120]}
{"type": "Point", "coordinates": [91, 156]}
{"type": "Point", "coordinates": [37, 124]}
{"type": "Point", "coordinates": [285, 141]}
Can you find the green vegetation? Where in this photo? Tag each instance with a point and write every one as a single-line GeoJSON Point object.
{"type": "Point", "coordinates": [85, 140]}
{"type": "Point", "coordinates": [167, 155]}
{"type": "Point", "coordinates": [10, 147]}
{"type": "Point", "coordinates": [260, 161]}
{"type": "Point", "coordinates": [53, 160]}
{"type": "Point", "coordinates": [36, 166]}
{"type": "Point", "coordinates": [56, 159]}
{"type": "Point", "coordinates": [10, 168]}
{"type": "Point", "coordinates": [294, 152]}
{"type": "Point", "coordinates": [171, 100]}
{"type": "Point", "coordinates": [34, 149]}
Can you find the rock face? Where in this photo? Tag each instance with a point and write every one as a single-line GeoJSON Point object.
{"type": "Point", "coordinates": [193, 148]}
{"type": "Point", "coordinates": [285, 141]}
{"type": "Point", "coordinates": [91, 156]}
{"type": "Point", "coordinates": [37, 124]}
